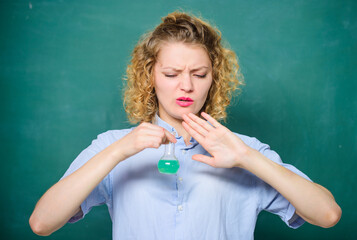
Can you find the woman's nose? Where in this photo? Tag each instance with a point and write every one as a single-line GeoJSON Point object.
{"type": "Point", "coordinates": [186, 83]}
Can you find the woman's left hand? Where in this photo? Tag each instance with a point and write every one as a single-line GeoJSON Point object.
{"type": "Point", "coordinates": [227, 149]}
{"type": "Point", "coordinates": [313, 203]}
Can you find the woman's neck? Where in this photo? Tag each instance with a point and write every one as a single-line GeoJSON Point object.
{"type": "Point", "coordinates": [177, 124]}
{"type": "Point", "coordinates": [181, 131]}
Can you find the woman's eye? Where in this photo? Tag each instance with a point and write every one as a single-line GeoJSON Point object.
{"type": "Point", "coordinates": [201, 76]}
{"type": "Point", "coordinates": [170, 75]}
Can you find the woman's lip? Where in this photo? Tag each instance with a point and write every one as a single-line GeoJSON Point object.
{"type": "Point", "coordinates": [184, 103]}
{"type": "Point", "coordinates": [187, 99]}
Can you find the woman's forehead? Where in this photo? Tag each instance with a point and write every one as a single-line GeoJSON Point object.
{"type": "Point", "coordinates": [178, 55]}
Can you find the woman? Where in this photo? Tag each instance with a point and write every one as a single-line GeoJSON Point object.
{"type": "Point", "coordinates": [178, 72]}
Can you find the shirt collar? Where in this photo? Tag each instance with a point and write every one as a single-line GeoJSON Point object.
{"type": "Point", "coordinates": [158, 121]}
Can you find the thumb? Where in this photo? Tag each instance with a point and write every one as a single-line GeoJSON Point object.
{"type": "Point", "coordinates": [169, 137]}
{"type": "Point", "coordinates": [204, 159]}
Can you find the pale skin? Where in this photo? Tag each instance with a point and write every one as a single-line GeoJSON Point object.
{"type": "Point", "coordinates": [314, 203]}
{"type": "Point", "coordinates": [182, 70]}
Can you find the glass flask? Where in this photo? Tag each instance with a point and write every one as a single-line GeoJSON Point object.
{"type": "Point", "coordinates": [168, 163]}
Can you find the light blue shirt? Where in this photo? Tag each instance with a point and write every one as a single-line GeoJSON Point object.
{"type": "Point", "coordinates": [199, 202]}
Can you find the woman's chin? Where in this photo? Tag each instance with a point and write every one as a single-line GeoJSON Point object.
{"type": "Point", "coordinates": [177, 112]}
{"type": "Point", "coordinates": [182, 111]}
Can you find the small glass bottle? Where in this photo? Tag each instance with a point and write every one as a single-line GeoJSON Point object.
{"type": "Point", "coordinates": [168, 163]}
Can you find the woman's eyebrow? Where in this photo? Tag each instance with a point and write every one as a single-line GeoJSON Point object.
{"type": "Point", "coordinates": [178, 70]}
{"type": "Point", "coordinates": [171, 68]}
{"type": "Point", "coordinates": [199, 68]}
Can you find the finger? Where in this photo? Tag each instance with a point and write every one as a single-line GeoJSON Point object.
{"type": "Point", "coordinates": [155, 142]}
{"type": "Point", "coordinates": [150, 126]}
{"type": "Point", "coordinates": [198, 128]}
{"type": "Point", "coordinates": [151, 132]}
{"type": "Point", "coordinates": [211, 120]}
{"type": "Point", "coordinates": [169, 136]}
{"type": "Point", "coordinates": [201, 122]}
{"type": "Point", "coordinates": [148, 141]}
{"type": "Point", "coordinates": [204, 159]}
{"type": "Point", "coordinates": [199, 138]}
{"type": "Point", "coordinates": [154, 130]}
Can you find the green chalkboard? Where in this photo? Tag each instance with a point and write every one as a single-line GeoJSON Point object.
{"type": "Point", "coordinates": [61, 65]}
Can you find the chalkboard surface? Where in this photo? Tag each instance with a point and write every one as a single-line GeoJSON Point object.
{"type": "Point", "coordinates": [61, 69]}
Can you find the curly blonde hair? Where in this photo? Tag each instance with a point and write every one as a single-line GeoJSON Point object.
{"type": "Point", "coordinates": [140, 101]}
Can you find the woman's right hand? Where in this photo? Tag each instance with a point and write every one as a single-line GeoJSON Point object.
{"type": "Point", "coordinates": [63, 200]}
{"type": "Point", "coordinates": [146, 135]}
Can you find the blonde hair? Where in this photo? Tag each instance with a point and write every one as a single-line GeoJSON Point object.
{"type": "Point", "coordinates": [140, 100]}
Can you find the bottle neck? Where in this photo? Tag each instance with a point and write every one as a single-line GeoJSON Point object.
{"type": "Point", "coordinates": [169, 151]}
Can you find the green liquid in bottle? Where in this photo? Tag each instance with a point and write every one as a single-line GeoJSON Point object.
{"type": "Point", "coordinates": [168, 163]}
{"type": "Point", "coordinates": [168, 166]}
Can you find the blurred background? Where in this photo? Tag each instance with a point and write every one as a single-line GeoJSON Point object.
{"type": "Point", "coordinates": [61, 69]}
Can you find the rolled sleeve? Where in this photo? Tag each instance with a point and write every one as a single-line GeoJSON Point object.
{"type": "Point", "coordinates": [292, 219]}
{"type": "Point", "coordinates": [270, 199]}
{"type": "Point", "coordinates": [102, 193]}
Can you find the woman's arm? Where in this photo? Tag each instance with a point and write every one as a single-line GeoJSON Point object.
{"type": "Point", "coordinates": [63, 200]}
{"type": "Point", "coordinates": [312, 202]}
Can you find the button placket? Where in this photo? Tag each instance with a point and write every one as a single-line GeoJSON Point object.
{"type": "Point", "coordinates": [179, 183]}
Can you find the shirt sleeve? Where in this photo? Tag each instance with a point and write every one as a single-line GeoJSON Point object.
{"type": "Point", "coordinates": [270, 199]}
{"type": "Point", "coordinates": [102, 193]}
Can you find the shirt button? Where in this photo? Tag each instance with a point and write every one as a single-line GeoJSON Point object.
{"type": "Point", "coordinates": [180, 179]}
{"type": "Point", "coordinates": [180, 207]}
{"type": "Point", "coordinates": [183, 151]}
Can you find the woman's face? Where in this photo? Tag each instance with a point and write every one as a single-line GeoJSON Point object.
{"type": "Point", "coordinates": [182, 79]}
